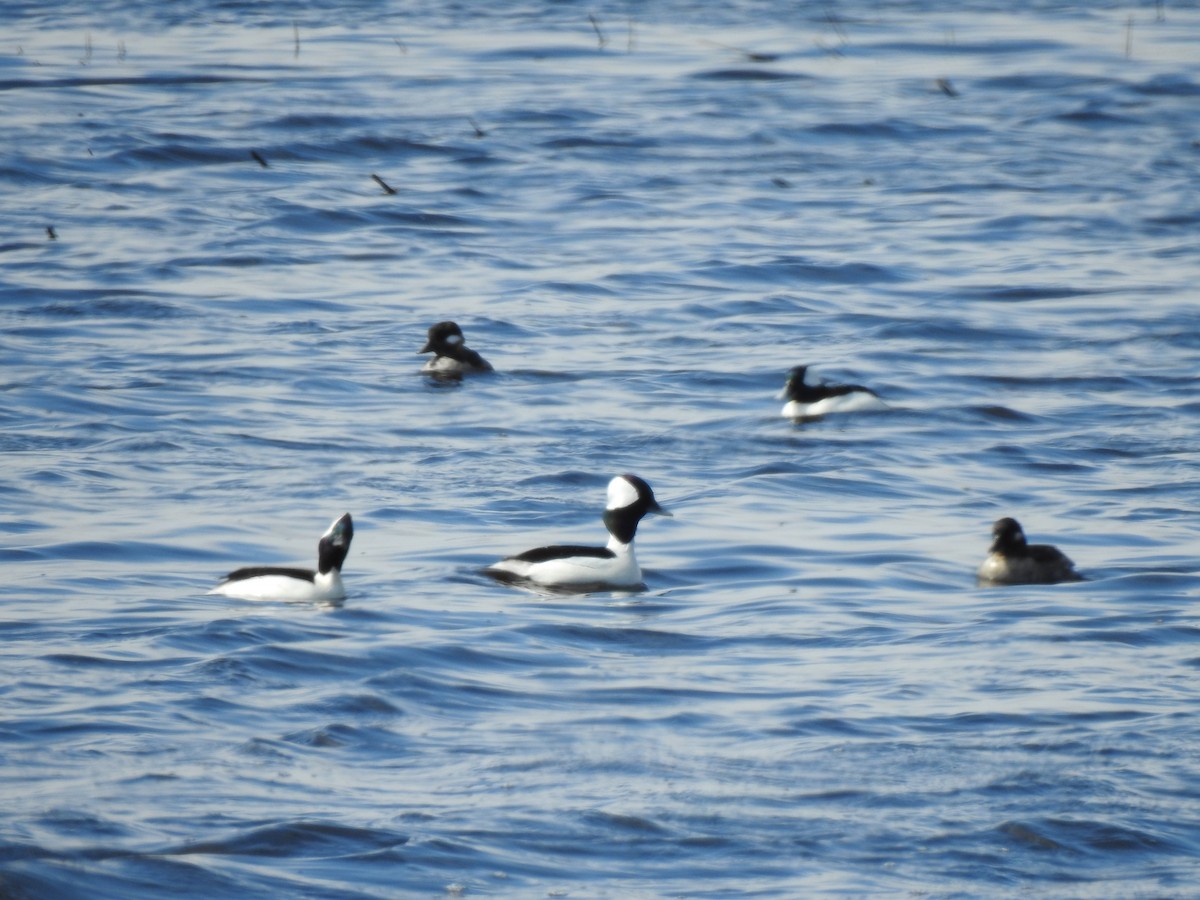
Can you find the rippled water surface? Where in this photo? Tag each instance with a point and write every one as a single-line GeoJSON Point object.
{"type": "Point", "coordinates": [643, 216]}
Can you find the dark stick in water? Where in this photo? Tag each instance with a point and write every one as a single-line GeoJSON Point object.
{"type": "Point", "coordinates": [599, 34]}
{"type": "Point", "coordinates": [383, 184]}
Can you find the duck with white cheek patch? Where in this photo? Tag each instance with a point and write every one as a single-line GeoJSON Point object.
{"type": "Point", "coordinates": [581, 568]}
{"type": "Point", "coordinates": [452, 358]}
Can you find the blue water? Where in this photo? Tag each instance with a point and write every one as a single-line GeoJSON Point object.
{"type": "Point", "coordinates": [643, 221]}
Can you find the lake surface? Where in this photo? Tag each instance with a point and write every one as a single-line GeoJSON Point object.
{"type": "Point", "coordinates": [643, 216]}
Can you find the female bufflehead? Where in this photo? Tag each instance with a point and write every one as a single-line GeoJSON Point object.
{"type": "Point", "coordinates": [1012, 561]}
{"type": "Point", "coordinates": [452, 358]}
{"type": "Point", "coordinates": [277, 583]}
{"type": "Point", "coordinates": [811, 401]}
{"type": "Point", "coordinates": [591, 568]}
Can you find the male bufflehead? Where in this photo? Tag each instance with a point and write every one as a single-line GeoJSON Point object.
{"type": "Point", "coordinates": [1012, 561]}
{"type": "Point", "coordinates": [811, 401]}
{"type": "Point", "coordinates": [452, 358]}
{"type": "Point", "coordinates": [591, 568]}
{"type": "Point", "coordinates": [279, 583]}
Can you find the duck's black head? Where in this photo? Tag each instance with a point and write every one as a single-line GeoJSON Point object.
{"type": "Point", "coordinates": [796, 382]}
{"type": "Point", "coordinates": [1007, 536]}
{"type": "Point", "coordinates": [629, 499]}
{"type": "Point", "coordinates": [443, 335]}
{"type": "Point", "coordinates": [335, 544]}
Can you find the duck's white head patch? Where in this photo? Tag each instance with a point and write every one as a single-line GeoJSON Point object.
{"type": "Point", "coordinates": [621, 493]}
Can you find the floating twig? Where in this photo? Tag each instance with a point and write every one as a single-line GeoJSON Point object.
{"type": "Point", "coordinates": [120, 51]}
{"type": "Point", "coordinates": [836, 24]}
{"type": "Point", "coordinates": [596, 28]}
{"type": "Point", "coordinates": [399, 43]}
{"type": "Point", "coordinates": [258, 159]}
{"type": "Point", "coordinates": [87, 49]}
{"type": "Point", "coordinates": [946, 87]}
{"type": "Point", "coordinates": [296, 40]}
{"type": "Point", "coordinates": [479, 132]}
{"type": "Point", "coordinates": [1129, 37]}
{"type": "Point", "coordinates": [387, 188]}
{"type": "Point", "coordinates": [51, 233]}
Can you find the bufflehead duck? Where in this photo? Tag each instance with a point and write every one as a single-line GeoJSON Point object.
{"type": "Point", "coordinates": [811, 401]}
{"type": "Point", "coordinates": [278, 583]}
{"type": "Point", "coordinates": [1012, 561]}
{"type": "Point", "coordinates": [452, 358]}
{"type": "Point", "coordinates": [583, 569]}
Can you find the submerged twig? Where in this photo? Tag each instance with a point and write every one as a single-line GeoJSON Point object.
{"type": "Point", "coordinates": [388, 189]}
{"type": "Point", "coordinates": [835, 23]}
{"type": "Point", "coordinates": [596, 28]}
{"type": "Point", "coordinates": [946, 87]}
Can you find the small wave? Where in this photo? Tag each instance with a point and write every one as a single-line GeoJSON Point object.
{"type": "Point", "coordinates": [892, 129]}
{"type": "Point", "coordinates": [790, 270]}
{"type": "Point", "coordinates": [172, 154]}
{"type": "Point", "coordinates": [1027, 293]}
{"type": "Point", "coordinates": [746, 74]}
{"type": "Point", "coordinates": [1094, 114]}
{"type": "Point", "coordinates": [540, 53]}
{"type": "Point", "coordinates": [632, 638]}
{"type": "Point", "coordinates": [159, 80]}
{"type": "Point", "coordinates": [942, 49]}
{"type": "Point", "coordinates": [1169, 85]}
{"type": "Point", "coordinates": [118, 551]}
{"type": "Point", "coordinates": [600, 141]}
{"type": "Point", "coordinates": [1085, 836]}
{"type": "Point", "coordinates": [1002, 414]}
{"type": "Point", "coordinates": [300, 839]}
{"type": "Point", "coordinates": [624, 822]}
{"type": "Point", "coordinates": [1047, 82]}
{"type": "Point", "coordinates": [134, 306]}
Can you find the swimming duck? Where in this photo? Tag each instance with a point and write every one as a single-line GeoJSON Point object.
{"type": "Point", "coordinates": [1011, 560]}
{"type": "Point", "coordinates": [577, 568]}
{"type": "Point", "coordinates": [452, 358]}
{"type": "Point", "coordinates": [812, 400]}
{"type": "Point", "coordinates": [288, 584]}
